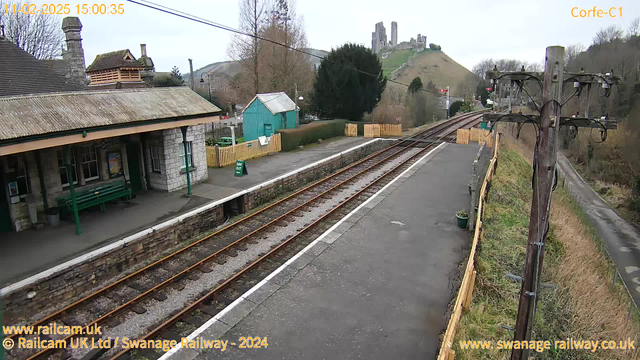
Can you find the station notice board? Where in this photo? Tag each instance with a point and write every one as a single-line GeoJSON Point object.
{"type": "Point", "coordinates": [241, 168]}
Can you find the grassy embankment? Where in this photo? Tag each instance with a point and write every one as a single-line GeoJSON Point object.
{"type": "Point", "coordinates": [587, 305]}
{"type": "Point", "coordinates": [395, 60]}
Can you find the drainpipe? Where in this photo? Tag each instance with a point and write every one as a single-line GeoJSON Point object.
{"type": "Point", "coordinates": [43, 189]}
{"type": "Point", "coordinates": [186, 157]}
{"type": "Point", "coordinates": [74, 205]}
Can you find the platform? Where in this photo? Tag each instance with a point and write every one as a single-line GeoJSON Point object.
{"type": "Point", "coordinates": [29, 252]}
{"type": "Point", "coordinates": [376, 286]}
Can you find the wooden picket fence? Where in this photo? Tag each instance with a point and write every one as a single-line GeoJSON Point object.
{"type": "Point", "coordinates": [377, 130]}
{"type": "Point", "coordinates": [350, 130]}
{"type": "Point", "coordinates": [465, 293]}
{"type": "Point", "coordinates": [463, 136]}
{"type": "Point", "coordinates": [225, 156]}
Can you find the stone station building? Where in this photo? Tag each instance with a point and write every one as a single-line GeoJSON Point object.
{"type": "Point", "coordinates": [133, 135]}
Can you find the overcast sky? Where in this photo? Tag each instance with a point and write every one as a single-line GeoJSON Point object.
{"type": "Point", "coordinates": [468, 31]}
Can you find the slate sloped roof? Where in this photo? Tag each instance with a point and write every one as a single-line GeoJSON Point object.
{"type": "Point", "coordinates": [21, 73]}
{"type": "Point", "coordinates": [275, 102]}
{"type": "Point", "coordinates": [113, 60]}
{"type": "Point", "coordinates": [23, 116]}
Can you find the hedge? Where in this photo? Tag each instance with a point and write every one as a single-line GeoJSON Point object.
{"type": "Point", "coordinates": [310, 133]}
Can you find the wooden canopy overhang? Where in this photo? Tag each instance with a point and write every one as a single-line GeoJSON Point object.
{"type": "Point", "coordinates": [31, 143]}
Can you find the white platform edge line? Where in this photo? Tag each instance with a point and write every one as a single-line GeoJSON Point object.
{"type": "Point", "coordinates": [122, 243]}
{"type": "Point", "coordinates": [257, 286]}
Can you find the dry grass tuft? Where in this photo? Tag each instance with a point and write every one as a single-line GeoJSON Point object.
{"type": "Point", "coordinates": [600, 309]}
{"type": "Point", "coordinates": [587, 304]}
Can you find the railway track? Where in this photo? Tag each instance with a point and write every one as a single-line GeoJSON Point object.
{"type": "Point", "coordinates": [234, 258]}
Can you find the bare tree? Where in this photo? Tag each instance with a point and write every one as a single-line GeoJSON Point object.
{"type": "Point", "coordinates": [534, 66]}
{"type": "Point", "coordinates": [38, 34]}
{"type": "Point", "coordinates": [286, 67]}
{"type": "Point", "coordinates": [482, 67]}
{"type": "Point", "coordinates": [571, 52]}
{"type": "Point", "coordinates": [247, 49]}
{"type": "Point", "coordinates": [634, 28]}
{"type": "Point", "coordinates": [609, 34]}
{"type": "Point", "coordinates": [467, 87]}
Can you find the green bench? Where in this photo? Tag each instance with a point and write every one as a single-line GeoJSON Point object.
{"type": "Point", "coordinates": [95, 196]}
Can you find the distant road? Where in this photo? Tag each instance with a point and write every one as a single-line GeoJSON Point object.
{"type": "Point", "coordinates": [621, 239]}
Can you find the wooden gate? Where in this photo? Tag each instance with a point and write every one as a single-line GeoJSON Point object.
{"type": "Point", "coordinates": [350, 130]}
{"type": "Point", "coordinates": [462, 136]}
{"type": "Point", "coordinates": [372, 130]}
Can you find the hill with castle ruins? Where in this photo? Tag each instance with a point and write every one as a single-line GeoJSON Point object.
{"type": "Point", "coordinates": [403, 61]}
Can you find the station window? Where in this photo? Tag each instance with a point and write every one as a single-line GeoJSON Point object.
{"type": "Point", "coordinates": [19, 165]}
{"type": "Point", "coordinates": [64, 177]}
{"type": "Point", "coordinates": [156, 158]}
{"type": "Point", "coordinates": [189, 155]}
{"type": "Point", "coordinates": [89, 159]}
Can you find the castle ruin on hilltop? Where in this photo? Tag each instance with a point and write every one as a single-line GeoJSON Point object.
{"type": "Point", "coordinates": [379, 41]}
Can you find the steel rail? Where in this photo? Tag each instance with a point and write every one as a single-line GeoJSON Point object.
{"type": "Point", "coordinates": [157, 262]}
{"type": "Point", "coordinates": [223, 285]}
{"type": "Point", "coordinates": [190, 268]}
{"type": "Point", "coordinates": [182, 273]}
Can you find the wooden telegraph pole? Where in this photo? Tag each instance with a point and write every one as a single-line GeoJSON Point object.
{"type": "Point", "coordinates": [547, 126]}
{"type": "Point", "coordinates": [544, 178]}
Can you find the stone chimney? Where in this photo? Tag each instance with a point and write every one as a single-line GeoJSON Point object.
{"type": "Point", "coordinates": [149, 70]}
{"type": "Point", "coordinates": [74, 56]}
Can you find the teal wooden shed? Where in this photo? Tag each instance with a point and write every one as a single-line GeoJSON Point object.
{"type": "Point", "coordinates": [268, 113]}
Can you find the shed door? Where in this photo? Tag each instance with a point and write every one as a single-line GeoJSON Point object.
{"type": "Point", "coordinates": [268, 130]}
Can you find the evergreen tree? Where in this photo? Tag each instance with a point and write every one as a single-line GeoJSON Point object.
{"type": "Point", "coordinates": [415, 86]}
{"type": "Point", "coordinates": [340, 90]}
{"type": "Point", "coordinates": [175, 73]}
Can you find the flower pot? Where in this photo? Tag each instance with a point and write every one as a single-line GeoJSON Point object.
{"type": "Point", "coordinates": [462, 221]}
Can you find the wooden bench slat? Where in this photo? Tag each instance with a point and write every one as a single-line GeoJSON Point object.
{"type": "Point", "coordinates": [96, 196]}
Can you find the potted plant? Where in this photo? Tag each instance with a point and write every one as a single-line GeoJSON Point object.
{"type": "Point", "coordinates": [463, 219]}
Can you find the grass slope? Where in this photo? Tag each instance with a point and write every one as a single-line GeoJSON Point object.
{"type": "Point", "coordinates": [586, 304]}
{"type": "Point", "coordinates": [437, 67]}
{"type": "Point", "coordinates": [395, 60]}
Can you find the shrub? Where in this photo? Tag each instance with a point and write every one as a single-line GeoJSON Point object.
{"type": "Point", "coordinates": [310, 133]}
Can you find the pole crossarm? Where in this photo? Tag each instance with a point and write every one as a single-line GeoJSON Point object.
{"type": "Point", "coordinates": [609, 124]}
{"type": "Point", "coordinates": [593, 78]}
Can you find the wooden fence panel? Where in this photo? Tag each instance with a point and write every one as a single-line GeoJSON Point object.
{"type": "Point", "coordinates": [465, 293]}
{"type": "Point", "coordinates": [462, 136]}
{"type": "Point", "coordinates": [391, 129]}
{"type": "Point", "coordinates": [350, 130]}
{"type": "Point", "coordinates": [372, 130]}
{"type": "Point", "coordinates": [247, 150]}
{"type": "Point", "coordinates": [212, 159]}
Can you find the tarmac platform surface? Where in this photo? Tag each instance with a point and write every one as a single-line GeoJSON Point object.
{"type": "Point", "coordinates": [30, 252]}
{"type": "Point", "coordinates": [376, 286]}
